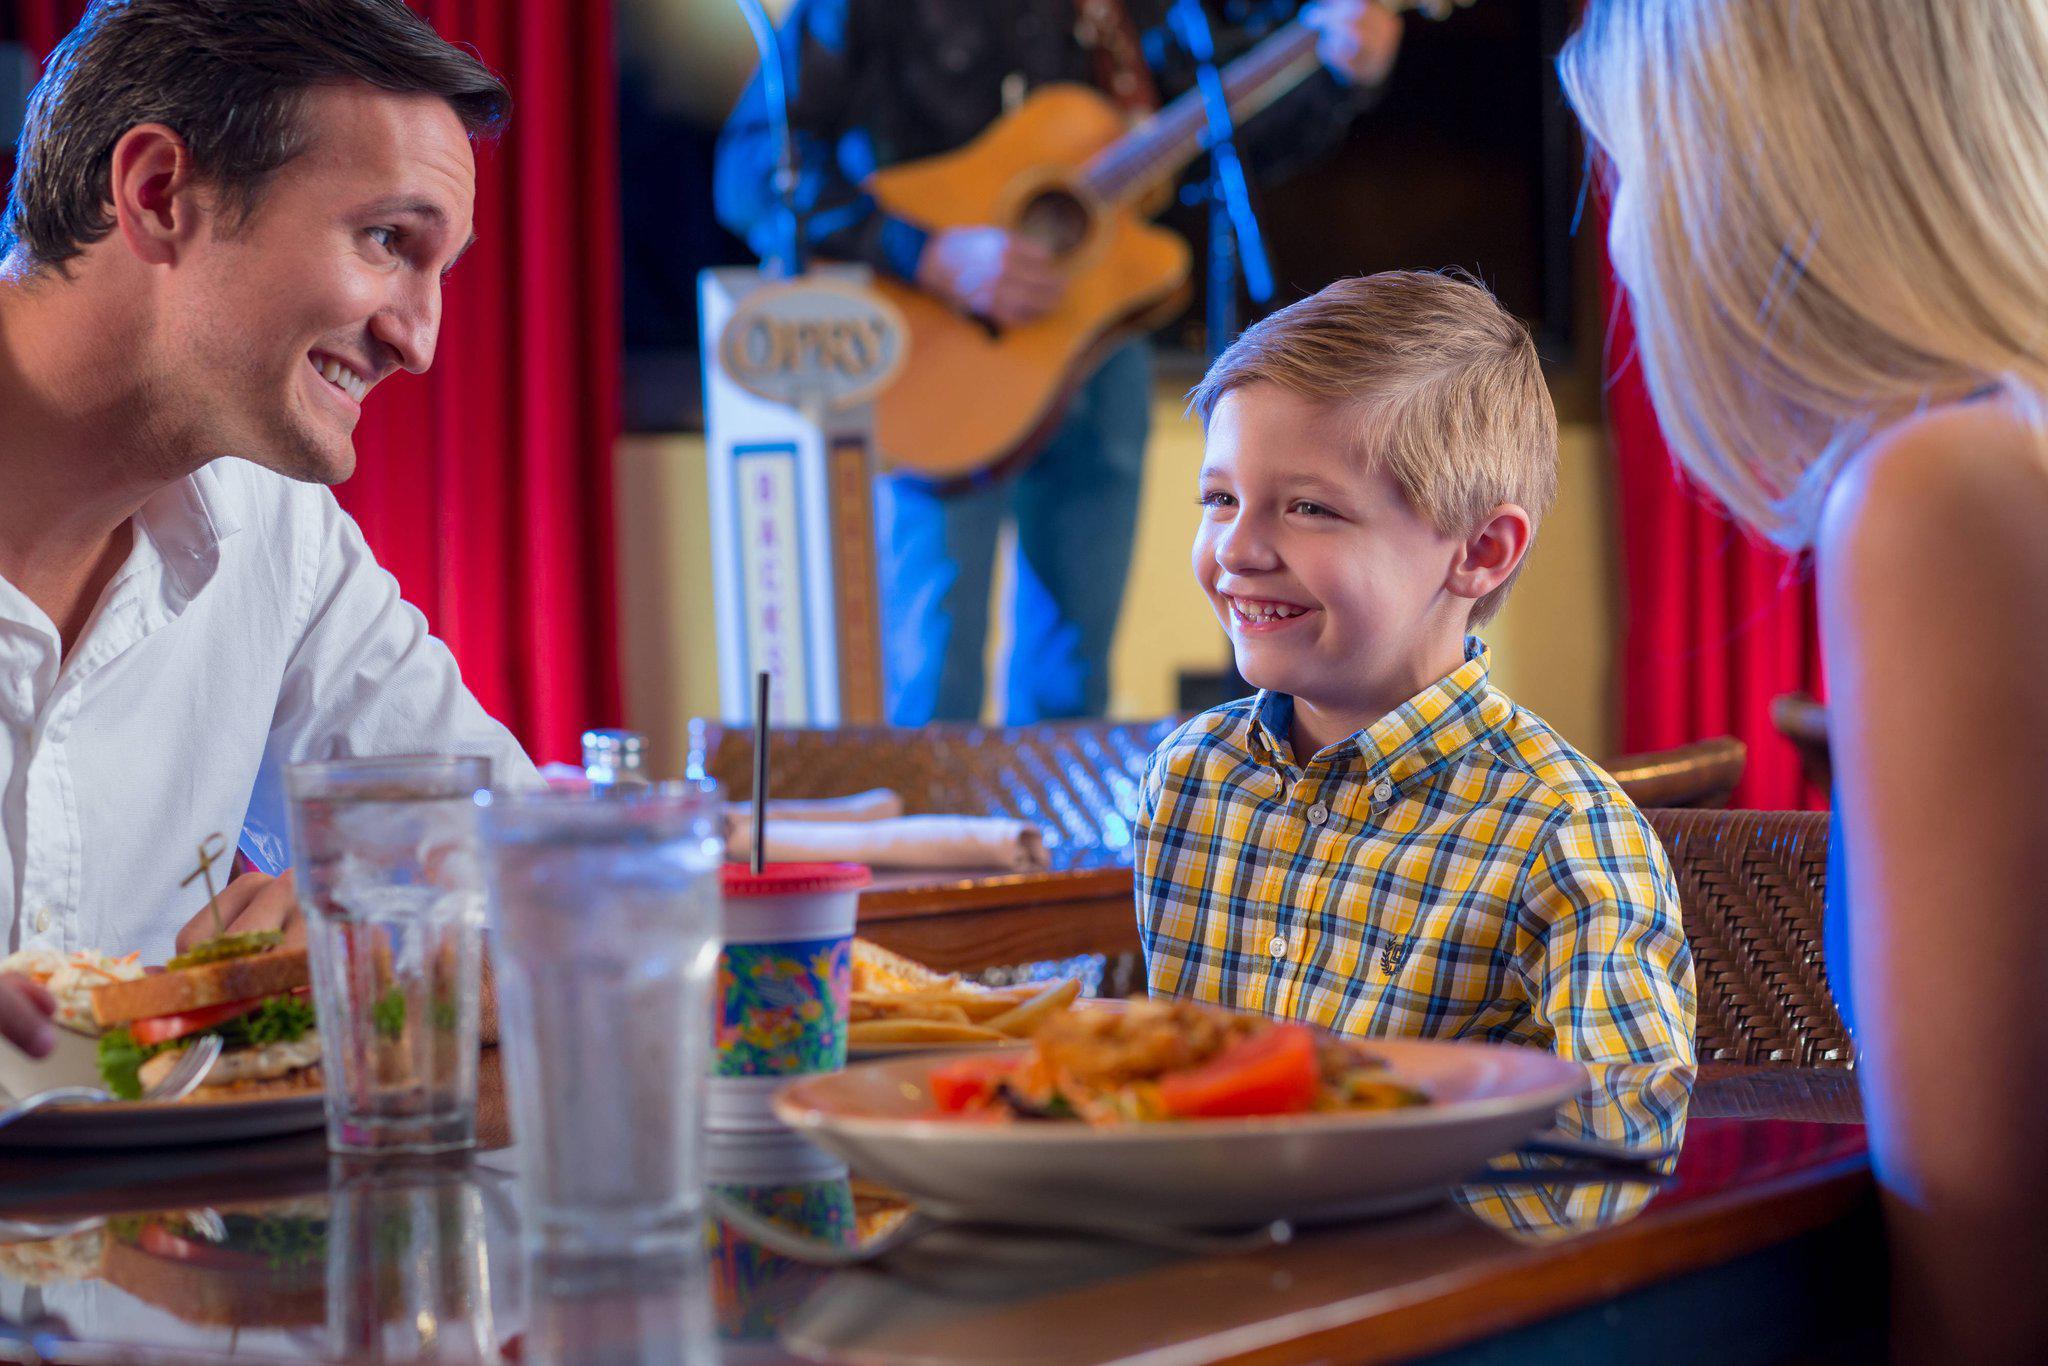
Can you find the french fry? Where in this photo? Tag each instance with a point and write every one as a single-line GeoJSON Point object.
{"type": "Point", "coordinates": [884, 1007]}
{"type": "Point", "coordinates": [972, 1005]}
{"type": "Point", "coordinates": [1020, 1020]}
{"type": "Point", "coordinates": [920, 1031]}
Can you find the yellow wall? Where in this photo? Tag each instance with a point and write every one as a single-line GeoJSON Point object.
{"type": "Point", "coordinates": [1554, 642]}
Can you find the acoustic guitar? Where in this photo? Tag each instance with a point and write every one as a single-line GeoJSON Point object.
{"type": "Point", "coordinates": [1064, 168]}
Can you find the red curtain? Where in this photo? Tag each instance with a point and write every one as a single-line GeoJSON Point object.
{"type": "Point", "coordinates": [1715, 623]}
{"type": "Point", "coordinates": [485, 485]}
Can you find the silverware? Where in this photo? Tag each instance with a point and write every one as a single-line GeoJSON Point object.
{"type": "Point", "coordinates": [787, 1242]}
{"type": "Point", "coordinates": [193, 1065]}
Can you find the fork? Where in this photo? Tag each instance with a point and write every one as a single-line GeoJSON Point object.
{"type": "Point", "coordinates": [192, 1067]}
{"type": "Point", "coordinates": [816, 1252]}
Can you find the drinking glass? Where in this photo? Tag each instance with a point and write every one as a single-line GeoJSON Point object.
{"type": "Point", "coordinates": [605, 916]}
{"type": "Point", "coordinates": [392, 893]}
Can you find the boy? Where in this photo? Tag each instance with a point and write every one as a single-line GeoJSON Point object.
{"type": "Point", "coordinates": [1379, 842]}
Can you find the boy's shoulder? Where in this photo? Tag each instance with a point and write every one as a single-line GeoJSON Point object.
{"type": "Point", "coordinates": [1223, 731]}
{"type": "Point", "coordinates": [1559, 772]}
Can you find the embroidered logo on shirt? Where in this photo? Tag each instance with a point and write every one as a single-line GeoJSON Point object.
{"type": "Point", "coordinates": [1395, 954]}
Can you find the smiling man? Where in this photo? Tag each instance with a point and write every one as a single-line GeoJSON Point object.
{"type": "Point", "coordinates": [229, 225]}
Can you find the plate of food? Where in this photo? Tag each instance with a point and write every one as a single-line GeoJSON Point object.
{"type": "Point", "coordinates": [902, 1007]}
{"type": "Point", "coordinates": [1177, 1115]}
{"type": "Point", "coordinates": [122, 1026]}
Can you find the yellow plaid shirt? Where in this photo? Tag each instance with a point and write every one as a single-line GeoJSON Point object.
{"type": "Point", "coordinates": [1455, 870]}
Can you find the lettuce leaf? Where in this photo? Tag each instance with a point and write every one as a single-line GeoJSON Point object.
{"type": "Point", "coordinates": [280, 1019]}
{"type": "Point", "coordinates": [120, 1057]}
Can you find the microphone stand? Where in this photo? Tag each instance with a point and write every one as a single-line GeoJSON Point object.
{"type": "Point", "coordinates": [788, 261]}
{"type": "Point", "coordinates": [1235, 240]}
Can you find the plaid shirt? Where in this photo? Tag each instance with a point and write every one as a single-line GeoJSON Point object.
{"type": "Point", "coordinates": [1454, 870]}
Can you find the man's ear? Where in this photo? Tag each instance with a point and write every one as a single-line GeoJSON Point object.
{"type": "Point", "coordinates": [1489, 555]}
{"type": "Point", "coordinates": [155, 194]}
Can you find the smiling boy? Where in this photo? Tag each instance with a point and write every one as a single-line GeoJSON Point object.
{"type": "Point", "coordinates": [1380, 842]}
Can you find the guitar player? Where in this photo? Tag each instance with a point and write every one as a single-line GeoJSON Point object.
{"type": "Point", "coordinates": [877, 82]}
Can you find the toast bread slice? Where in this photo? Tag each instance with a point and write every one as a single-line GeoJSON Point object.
{"type": "Point", "coordinates": [195, 988]}
{"type": "Point", "coordinates": [878, 969]}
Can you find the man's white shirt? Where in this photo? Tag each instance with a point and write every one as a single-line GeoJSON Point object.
{"type": "Point", "coordinates": [249, 628]}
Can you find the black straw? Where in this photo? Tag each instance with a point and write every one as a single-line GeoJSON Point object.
{"type": "Point", "coordinates": [760, 769]}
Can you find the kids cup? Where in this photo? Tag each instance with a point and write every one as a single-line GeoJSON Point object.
{"type": "Point", "coordinates": [785, 982]}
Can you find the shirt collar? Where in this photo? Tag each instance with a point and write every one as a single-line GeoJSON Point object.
{"type": "Point", "coordinates": [1424, 733]}
{"type": "Point", "coordinates": [186, 521]}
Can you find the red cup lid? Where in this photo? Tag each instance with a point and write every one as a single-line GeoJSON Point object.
{"type": "Point", "coordinates": [788, 879]}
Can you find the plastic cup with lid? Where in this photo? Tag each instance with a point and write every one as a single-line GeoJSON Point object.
{"type": "Point", "coordinates": [785, 983]}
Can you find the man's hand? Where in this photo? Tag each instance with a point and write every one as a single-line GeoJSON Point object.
{"type": "Point", "coordinates": [252, 902]}
{"type": "Point", "coordinates": [1356, 38]}
{"type": "Point", "coordinates": [991, 273]}
{"type": "Point", "coordinates": [25, 1011]}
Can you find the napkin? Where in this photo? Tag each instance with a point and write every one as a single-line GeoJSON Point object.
{"type": "Point", "coordinates": [899, 841]}
{"type": "Point", "coordinates": [877, 803]}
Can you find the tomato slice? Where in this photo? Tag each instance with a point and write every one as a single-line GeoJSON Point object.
{"type": "Point", "coordinates": [163, 1028]}
{"type": "Point", "coordinates": [1272, 1073]}
{"type": "Point", "coordinates": [967, 1084]}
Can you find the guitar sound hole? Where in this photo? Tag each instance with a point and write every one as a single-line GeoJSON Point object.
{"type": "Point", "coordinates": [1056, 218]}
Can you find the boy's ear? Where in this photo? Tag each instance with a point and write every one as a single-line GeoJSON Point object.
{"type": "Point", "coordinates": [154, 193]}
{"type": "Point", "coordinates": [1490, 553]}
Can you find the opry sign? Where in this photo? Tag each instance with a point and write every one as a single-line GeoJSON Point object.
{"type": "Point", "coordinates": [814, 344]}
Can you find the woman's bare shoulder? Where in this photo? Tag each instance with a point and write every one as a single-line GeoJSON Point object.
{"type": "Point", "coordinates": [1965, 482]}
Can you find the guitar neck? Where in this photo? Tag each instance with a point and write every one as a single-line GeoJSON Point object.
{"type": "Point", "coordinates": [1159, 147]}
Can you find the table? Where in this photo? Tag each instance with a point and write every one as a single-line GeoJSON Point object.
{"type": "Point", "coordinates": [965, 921]}
{"type": "Point", "coordinates": [1763, 1246]}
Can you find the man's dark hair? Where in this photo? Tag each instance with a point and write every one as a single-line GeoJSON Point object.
{"type": "Point", "coordinates": [228, 76]}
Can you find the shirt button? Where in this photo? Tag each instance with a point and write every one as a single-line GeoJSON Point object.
{"type": "Point", "coordinates": [1278, 947]}
{"type": "Point", "coordinates": [1383, 792]}
{"type": "Point", "coordinates": [43, 921]}
{"type": "Point", "coordinates": [1318, 813]}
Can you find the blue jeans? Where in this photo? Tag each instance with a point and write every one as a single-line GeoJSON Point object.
{"type": "Point", "coordinates": [1076, 512]}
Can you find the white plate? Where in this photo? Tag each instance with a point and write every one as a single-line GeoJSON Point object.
{"type": "Point", "coordinates": [135, 1124]}
{"type": "Point", "coordinates": [157, 1124]}
{"type": "Point", "coordinates": [1485, 1100]}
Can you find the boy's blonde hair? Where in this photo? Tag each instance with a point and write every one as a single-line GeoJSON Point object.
{"type": "Point", "coordinates": [1446, 386]}
{"type": "Point", "coordinates": [1826, 215]}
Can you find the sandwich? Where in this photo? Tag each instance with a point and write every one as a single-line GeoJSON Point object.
{"type": "Point", "coordinates": [256, 996]}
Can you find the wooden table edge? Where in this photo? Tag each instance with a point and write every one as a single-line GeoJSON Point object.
{"type": "Point", "coordinates": [1455, 1310]}
{"type": "Point", "coordinates": [983, 891]}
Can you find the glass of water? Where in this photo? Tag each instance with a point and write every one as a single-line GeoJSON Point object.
{"type": "Point", "coordinates": [392, 892]}
{"type": "Point", "coordinates": [605, 915]}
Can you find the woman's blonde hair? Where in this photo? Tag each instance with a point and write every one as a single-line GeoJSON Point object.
{"type": "Point", "coordinates": [1444, 383]}
{"type": "Point", "coordinates": [1827, 213]}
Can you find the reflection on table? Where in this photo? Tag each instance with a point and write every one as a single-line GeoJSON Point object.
{"type": "Point", "coordinates": [259, 1259]}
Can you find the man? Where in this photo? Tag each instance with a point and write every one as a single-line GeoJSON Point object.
{"type": "Point", "coordinates": [877, 82]}
{"type": "Point", "coordinates": [229, 224]}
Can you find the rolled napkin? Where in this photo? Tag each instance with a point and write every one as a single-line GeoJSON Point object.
{"type": "Point", "coordinates": [875, 804]}
{"type": "Point", "coordinates": [900, 842]}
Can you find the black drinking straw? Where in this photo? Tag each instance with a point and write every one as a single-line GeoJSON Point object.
{"type": "Point", "coordinates": [760, 769]}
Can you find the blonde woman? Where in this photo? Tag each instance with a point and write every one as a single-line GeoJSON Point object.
{"type": "Point", "coordinates": [1832, 222]}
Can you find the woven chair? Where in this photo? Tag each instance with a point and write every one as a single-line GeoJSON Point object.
{"type": "Point", "coordinates": [1752, 884]}
{"type": "Point", "coordinates": [1076, 780]}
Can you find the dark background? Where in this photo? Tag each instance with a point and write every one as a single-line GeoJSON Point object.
{"type": "Point", "coordinates": [1471, 160]}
